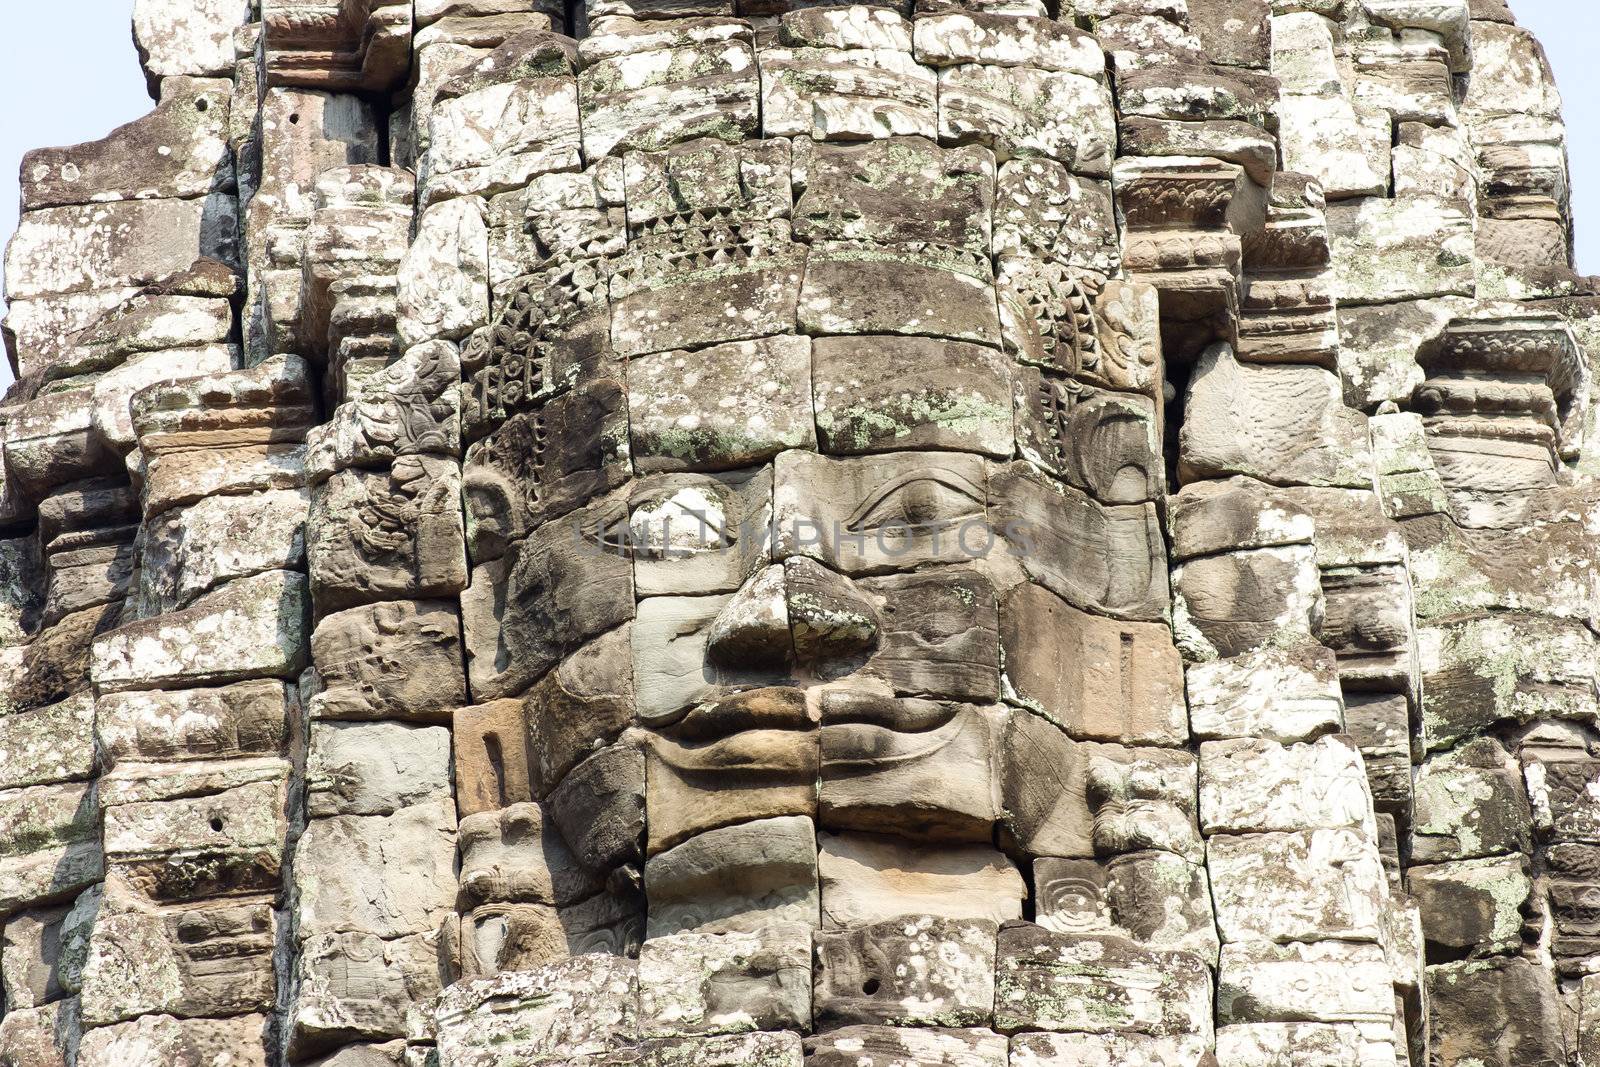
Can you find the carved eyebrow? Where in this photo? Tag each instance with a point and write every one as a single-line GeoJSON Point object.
{"type": "Point", "coordinates": [947, 479]}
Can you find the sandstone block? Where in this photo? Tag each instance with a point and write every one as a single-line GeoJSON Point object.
{"type": "Point", "coordinates": [50, 744]}
{"type": "Point", "coordinates": [1472, 905]}
{"type": "Point", "coordinates": [380, 875]}
{"type": "Point", "coordinates": [190, 551]}
{"type": "Point", "coordinates": [252, 627]}
{"type": "Point", "coordinates": [168, 1042]}
{"type": "Point", "coordinates": [1327, 982]}
{"type": "Point", "coordinates": [740, 877]}
{"type": "Point", "coordinates": [1099, 680]}
{"type": "Point", "coordinates": [1297, 886]}
{"type": "Point", "coordinates": [910, 971]}
{"type": "Point", "coordinates": [128, 243]}
{"type": "Point", "coordinates": [584, 1006]}
{"type": "Point", "coordinates": [354, 986]}
{"type": "Point", "coordinates": [392, 535]}
{"type": "Point", "coordinates": [187, 38]}
{"type": "Point", "coordinates": [399, 660]}
{"type": "Point", "coordinates": [1500, 1011]}
{"type": "Point", "coordinates": [700, 984]}
{"type": "Point", "coordinates": [890, 1044]}
{"type": "Point", "coordinates": [1249, 786]}
{"type": "Point", "coordinates": [1106, 1050]}
{"type": "Point", "coordinates": [866, 878]}
{"type": "Point", "coordinates": [1094, 984]}
{"type": "Point", "coordinates": [375, 768]}
{"type": "Point", "coordinates": [177, 151]}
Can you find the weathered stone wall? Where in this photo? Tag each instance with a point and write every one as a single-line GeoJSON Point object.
{"type": "Point", "coordinates": [696, 532]}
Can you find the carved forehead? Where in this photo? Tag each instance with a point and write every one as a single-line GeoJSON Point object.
{"type": "Point", "coordinates": [775, 295]}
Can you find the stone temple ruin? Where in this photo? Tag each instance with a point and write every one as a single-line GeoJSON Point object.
{"type": "Point", "coordinates": [729, 533]}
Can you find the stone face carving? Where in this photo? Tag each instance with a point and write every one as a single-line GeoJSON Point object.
{"type": "Point", "coordinates": [677, 533]}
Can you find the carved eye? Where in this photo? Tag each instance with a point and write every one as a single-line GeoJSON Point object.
{"type": "Point", "coordinates": [918, 498]}
{"type": "Point", "coordinates": [691, 520]}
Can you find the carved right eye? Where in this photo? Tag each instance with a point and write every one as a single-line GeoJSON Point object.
{"type": "Point", "coordinates": [919, 498]}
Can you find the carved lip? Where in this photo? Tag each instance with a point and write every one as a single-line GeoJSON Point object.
{"type": "Point", "coordinates": [778, 707]}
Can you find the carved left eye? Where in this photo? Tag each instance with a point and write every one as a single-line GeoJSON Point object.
{"type": "Point", "coordinates": [918, 498]}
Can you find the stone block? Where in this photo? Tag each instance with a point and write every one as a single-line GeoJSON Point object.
{"type": "Point", "coordinates": [42, 953]}
{"type": "Point", "coordinates": [896, 190]}
{"type": "Point", "coordinates": [52, 848]}
{"type": "Point", "coordinates": [587, 700]}
{"type": "Point", "coordinates": [891, 1044]}
{"type": "Point", "coordinates": [491, 757]}
{"type": "Point", "coordinates": [911, 971]}
{"type": "Point", "coordinates": [187, 38]}
{"type": "Point", "coordinates": [584, 1006]}
{"type": "Point", "coordinates": [1324, 982]}
{"type": "Point", "coordinates": [387, 536]}
{"type": "Point", "coordinates": [647, 89]}
{"type": "Point", "coordinates": [1297, 886]}
{"type": "Point", "coordinates": [386, 876]}
{"type": "Point", "coordinates": [518, 856]}
{"type": "Point", "coordinates": [1107, 1050]}
{"type": "Point", "coordinates": [1251, 786]}
{"type": "Point", "coordinates": [179, 478]}
{"type": "Point", "coordinates": [1155, 898]}
{"type": "Point", "coordinates": [729, 1050]}
{"type": "Point", "coordinates": [860, 288]}
{"type": "Point", "coordinates": [700, 984]}
{"type": "Point", "coordinates": [398, 660]}
{"type": "Point", "coordinates": [1097, 984]}
{"type": "Point", "coordinates": [742, 877]}
{"type": "Point", "coordinates": [728, 406]}
{"type": "Point", "coordinates": [107, 246]}
{"type": "Point", "coordinates": [1500, 1012]}
{"type": "Point", "coordinates": [1099, 558]}
{"type": "Point", "coordinates": [601, 807]}
{"type": "Point", "coordinates": [1288, 694]}
{"type": "Point", "coordinates": [39, 1037]}
{"type": "Point", "coordinates": [191, 847]}
{"type": "Point", "coordinates": [246, 719]}
{"type": "Point", "coordinates": [1022, 111]}
{"type": "Point", "coordinates": [47, 745]}
{"type": "Point", "coordinates": [867, 878]}
{"type": "Point", "coordinates": [1098, 679]}
{"type": "Point", "coordinates": [375, 768]}
{"type": "Point", "coordinates": [846, 93]}
{"type": "Point", "coordinates": [1272, 1044]}
{"type": "Point", "coordinates": [164, 1041]}
{"type": "Point", "coordinates": [886, 394]}
{"type": "Point", "coordinates": [1388, 250]}
{"type": "Point", "coordinates": [186, 962]}
{"type": "Point", "coordinates": [252, 627]}
{"type": "Point", "coordinates": [914, 768]}
{"type": "Point", "coordinates": [1040, 207]}
{"type": "Point", "coordinates": [1312, 438]}
{"type": "Point", "coordinates": [1470, 802]}
{"type": "Point", "coordinates": [177, 151]}
{"type": "Point", "coordinates": [697, 784]}
{"type": "Point", "coordinates": [354, 986]}
{"type": "Point", "coordinates": [552, 593]}
{"type": "Point", "coordinates": [1472, 905]}
{"type": "Point", "coordinates": [190, 551]}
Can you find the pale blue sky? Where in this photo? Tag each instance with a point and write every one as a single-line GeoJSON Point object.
{"type": "Point", "coordinates": [68, 73]}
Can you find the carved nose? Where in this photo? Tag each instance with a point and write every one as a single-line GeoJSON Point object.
{"type": "Point", "coordinates": [752, 629]}
{"type": "Point", "coordinates": [794, 611]}
{"type": "Point", "coordinates": [831, 620]}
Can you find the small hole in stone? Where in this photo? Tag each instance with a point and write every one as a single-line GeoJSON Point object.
{"type": "Point", "coordinates": [216, 823]}
{"type": "Point", "coordinates": [870, 986]}
{"type": "Point", "coordinates": [202, 104]}
{"type": "Point", "coordinates": [294, 120]}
